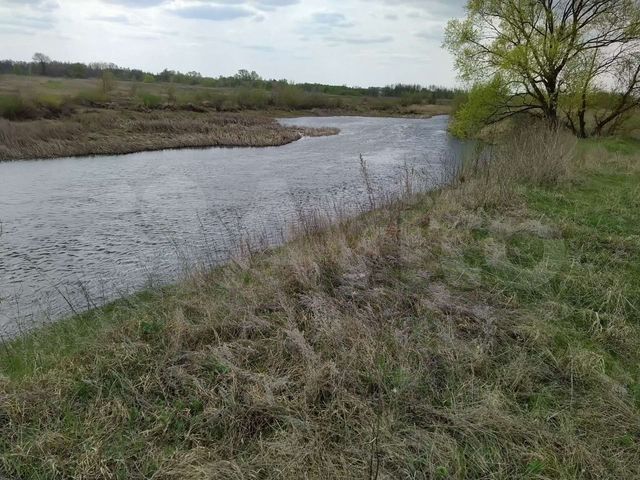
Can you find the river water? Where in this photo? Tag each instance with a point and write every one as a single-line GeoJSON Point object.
{"type": "Point", "coordinates": [77, 232]}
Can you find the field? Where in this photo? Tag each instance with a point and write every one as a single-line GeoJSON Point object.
{"type": "Point", "coordinates": [125, 94]}
{"type": "Point", "coordinates": [44, 117]}
{"type": "Point", "coordinates": [487, 330]}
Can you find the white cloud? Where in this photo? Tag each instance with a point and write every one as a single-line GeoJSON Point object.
{"type": "Point", "coordinates": [356, 42]}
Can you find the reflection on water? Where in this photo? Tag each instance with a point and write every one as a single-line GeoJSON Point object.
{"type": "Point", "coordinates": [79, 231]}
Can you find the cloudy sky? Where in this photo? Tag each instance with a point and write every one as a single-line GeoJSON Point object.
{"type": "Point", "coordinates": [353, 42]}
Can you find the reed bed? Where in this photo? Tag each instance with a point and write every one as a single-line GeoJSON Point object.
{"type": "Point", "coordinates": [103, 132]}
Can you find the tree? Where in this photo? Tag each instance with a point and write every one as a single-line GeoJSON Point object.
{"type": "Point", "coordinates": [42, 60]}
{"type": "Point", "coordinates": [553, 57]}
{"type": "Point", "coordinates": [77, 70]}
{"type": "Point", "coordinates": [247, 76]}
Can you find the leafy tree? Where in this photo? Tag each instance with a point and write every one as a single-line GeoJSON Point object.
{"type": "Point", "coordinates": [552, 57]}
{"type": "Point", "coordinates": [42, 60]}
{"type": "Point", "coordinates": [479, 104]}
{"type": "Point", "coordinates": [77, 70]}
{"type": "Point", "coordinates": [247, 76]}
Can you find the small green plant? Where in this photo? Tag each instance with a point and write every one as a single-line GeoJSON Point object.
{"type": "Point", "coordinates": [149, 100]}
{"type": "Point", "coordinates": [49, 101]}
{"type": "Point", "coordinates": [14, 107]}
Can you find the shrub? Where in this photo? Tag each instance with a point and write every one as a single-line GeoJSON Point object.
{"type": "Point", "coordinates": [108, 82]}
{"type": "Point", "coordinates": [49, 101]}
{"type": "Point", "coordinates": [288, 97]}
{"type": "Point", "coordinates": [14, 107]}
{"type": "Point", "coordinates": [51, 104]}
{"type": "Point", "coordinates": [253, 98]}
{"type": "Point", "coordinates": [408, 99]}
{"type": "Point", "coordinates": [150, 100]}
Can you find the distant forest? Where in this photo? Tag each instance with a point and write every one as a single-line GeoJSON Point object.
{"type": "Point", "coordinates": [44, 66]}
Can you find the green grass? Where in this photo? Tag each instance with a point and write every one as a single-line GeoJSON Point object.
{"type": "Point", "coordinates": [13, 107]}
{"type": "Point", "coordinates": [427, 339]}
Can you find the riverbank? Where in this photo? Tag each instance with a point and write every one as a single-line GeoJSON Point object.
{"type": "Point", "coordinates": [490, 329]}
{"type": "Point", "coordinates": [109, 132]}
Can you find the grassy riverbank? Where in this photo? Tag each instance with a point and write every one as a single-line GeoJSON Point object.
{"type": "Point", "coordinates": [489, 330]}
{"type": "Point", "coordinates": [45, 118]}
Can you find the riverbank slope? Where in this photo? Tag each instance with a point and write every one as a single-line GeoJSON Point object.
{"type": "Point", "coordinates": [490, 329]}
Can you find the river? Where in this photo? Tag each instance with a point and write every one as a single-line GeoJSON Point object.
{"type": "Point", "coordinates": [77, 232]}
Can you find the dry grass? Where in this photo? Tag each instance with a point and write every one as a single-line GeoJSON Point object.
{"type": "Point", "coordinates": [114, 132]}
{"type": "Point", "coordinates": [535, 155]}
{"type": "Point", "coordinates": [432, 338]}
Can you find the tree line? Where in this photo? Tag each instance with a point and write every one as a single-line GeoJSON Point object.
{"type": "Point", "coordinates": [42, 65]}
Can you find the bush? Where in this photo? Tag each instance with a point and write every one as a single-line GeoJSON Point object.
{"type": "Point", "coordinates": [108, 82]}
{"type": "Point", "coordinates": [52, 104]}
{"type": "Point", "coordinates": [253, 98]}
{"type": "Point", "coordinates": [288, 97]}
{"type": "Point", "coordinates": [150, 100]}
{"type": "Point", "coordinates": [14, 107]}
{"type": "Point", "coordinates": [408, 99]}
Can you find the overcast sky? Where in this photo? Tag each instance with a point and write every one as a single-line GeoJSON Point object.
{"type": "Point", "coordinates": [353, 42]}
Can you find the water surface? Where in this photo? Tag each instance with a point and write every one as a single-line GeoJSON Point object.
{"type": "Point", "coordinates": [77, 232]}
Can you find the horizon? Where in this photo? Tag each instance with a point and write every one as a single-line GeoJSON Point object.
{"type": "Point", "coordinates": [106, 65]}
{"type": "Point", "coordinates": [351, 42]}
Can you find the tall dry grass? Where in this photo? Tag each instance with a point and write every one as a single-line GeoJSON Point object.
{"type": "Point", "coordinates": [113, 132]}
{"type": "Point", "coordinates": [537, 155]}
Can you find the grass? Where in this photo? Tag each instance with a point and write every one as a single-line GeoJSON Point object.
{"type": "Point", "coordinates": [441, 336]}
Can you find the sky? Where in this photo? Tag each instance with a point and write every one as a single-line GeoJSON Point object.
{"type": "Point", "coordinates": [343, 42]}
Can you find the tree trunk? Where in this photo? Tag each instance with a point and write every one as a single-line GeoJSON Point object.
{"type": "Point", "coordinates": [581, 116]}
